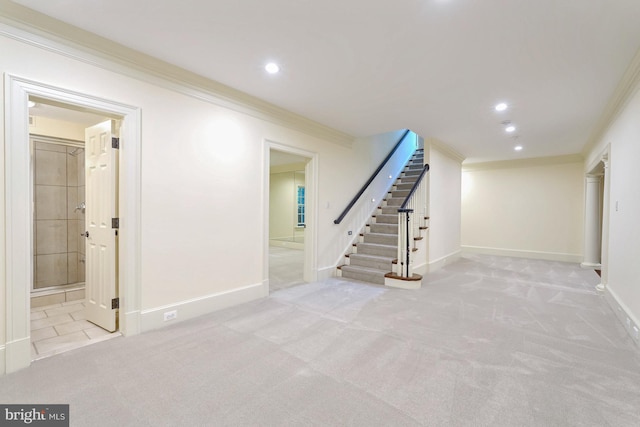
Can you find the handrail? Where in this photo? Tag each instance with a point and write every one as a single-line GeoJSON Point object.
{"type": "Point", "coordinates": [407, 225]}
{"type": "Point", "coordinates": [402, 207]}
{"type": "Point", "coordinates": [370, 180]}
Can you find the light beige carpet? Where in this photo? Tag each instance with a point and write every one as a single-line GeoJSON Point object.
{"type": "Point", "coordinates": [488, 341]}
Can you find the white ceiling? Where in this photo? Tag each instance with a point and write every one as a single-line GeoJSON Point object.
{"type": "Point", "coordinates": [370, 66]}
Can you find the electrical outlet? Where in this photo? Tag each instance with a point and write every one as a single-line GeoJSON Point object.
{"type": "Point", "coordinates": [170, 315]}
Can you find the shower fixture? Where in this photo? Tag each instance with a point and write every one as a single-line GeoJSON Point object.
{"type": "Point", "coordinates": [81, 207]}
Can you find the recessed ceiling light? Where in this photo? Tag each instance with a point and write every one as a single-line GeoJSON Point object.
{"type": "Point", "coordinates": [501, 107]}
{"type": "Point", "coordinates": [272, 68]}
{"type": "Point", "coordinates": [518, 148]}
{"type": "Point", "coordinates": [510, 128]}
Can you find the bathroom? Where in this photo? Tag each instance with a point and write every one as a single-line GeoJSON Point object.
{"type": "Point", "coordinates": [58, 160]}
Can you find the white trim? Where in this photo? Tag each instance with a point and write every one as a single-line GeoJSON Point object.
{"type": "Point", "coordinates": [55, 36]}
{"type": "Point", "coordinates": [624, 92]}
{"type": "Point", "coordinates": [437, 264]}
{"type": "Point", "coordinates": [403, 284]}
{"type": "Point", "coordinates": [590, 266]}
{"type": "Point", "coordinates": [154, 318]}
{"type": "Point", "coordinates": [17, 352]}
{"type": "Point", "coordinates": [3, 359]}
{"type": "Point", "coordinates": [523, 163]}
{"type": "Point", "coordinates": [518, 253]}
{"type": "Point", "coordinates": [445, 149]}
{"type": "Point", "coordinates": [285, 244]}
{"type": "Point", "coordinates": [327, 272]}
{"type": "Point", "coordinates": [622, 312]}
{"type": "Point", "coordinates": [18, 209]}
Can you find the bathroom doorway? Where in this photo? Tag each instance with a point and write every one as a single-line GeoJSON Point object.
{"type": "Point", "coordinates": [19, 237]}
{"type": "Point", "coordinates": [59, 305]}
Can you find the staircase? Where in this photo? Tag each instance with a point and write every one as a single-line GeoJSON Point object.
{"type": "Point", "coordinates": [377, 250]}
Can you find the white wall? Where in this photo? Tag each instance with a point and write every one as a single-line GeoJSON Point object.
{"type": "Point", "coordinates": [623, 269]}
{"type": "Point", "coordinates": [444, 205]}
{"type": "Point", "coordinates": [57, 128]}
{"type": "Point", "coordinates": [283, 184]}
{"type": "Point", "coordinates": [530, 208]}
{"type": "Point", "coordinates": [202, 178]}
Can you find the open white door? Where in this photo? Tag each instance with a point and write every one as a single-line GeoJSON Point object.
{"type": "Point", "coordinates": [101, 195]}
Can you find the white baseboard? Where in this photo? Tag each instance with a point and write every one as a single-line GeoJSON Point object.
{"type": "Point", "coordinates": [517, 253]}
{"type": "Point", "coordinates": [327, 272]}
{"type": "Point", "coordinates": [622, 312]}
{"type": "Point", "coordinates": [154, 318]}
{"type": "Point", "coordinates": [421, 269]}
{"type": "Point", "coordinates": [437, 264]}
{"type": "Point", "coordinates": [286, 244]}
{"type": "Point", "coordinates": [17, 355]}
{"type": "Point", "coordinates": [3, 361]}
{"type": "Point", "coordinates": [130, 325]}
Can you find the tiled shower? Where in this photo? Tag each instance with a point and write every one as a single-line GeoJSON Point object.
{"type": "Point", "coordinates": [59, 248]}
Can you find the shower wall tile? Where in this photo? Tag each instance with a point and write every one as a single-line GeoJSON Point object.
{"type": "Point", "coordinates": [72, 167]}
{"type": "Point", "coordinates": [81, 171]}
{"type": "Point", "coordinates": [72, 267]}
{"type": "Point", "coordinates": [82, 267]}
{"type": "Point", "coordinates": [72, 202]}
{"type": "Point", "coordinates": [72, 235]}
{"type": "Point", "coordinates": [75, 295]}
{"type": "Point", "coordinates": [51, 202]}
{"type": "Point", "coordinates": [59, 189]}
{"type": "Point", "coordinates": [51, 270]}
{"type": "Point", "coordinates": [51, 237]}
{"type": "Point", "coordinates": [51, 168]}
{"type": "Point", "coordinates": [82, 197]}
{"type": "Point", "coordinates": [43, 300]}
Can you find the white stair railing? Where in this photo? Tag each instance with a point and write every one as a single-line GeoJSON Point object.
{"type": "Point", "coordinates": [411, 219]}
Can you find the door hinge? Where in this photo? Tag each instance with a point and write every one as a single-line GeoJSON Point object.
{"type": "Point", "coordinates": [115, 303]}
{"type": "Point", "coordinates": [115, 222]}
{"type": "Point", "coordinates": [115, 143]}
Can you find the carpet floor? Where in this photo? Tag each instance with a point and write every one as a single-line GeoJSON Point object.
{"type": "Point", "coordinates": [487, 341]}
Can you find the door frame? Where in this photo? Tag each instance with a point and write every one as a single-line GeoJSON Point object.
{"type": "Point", "coordinates": [310, 271]}
{"type": "Point", "coordinates": [600, 166]}
{"type": "Point", "coordinates": [19, 216]}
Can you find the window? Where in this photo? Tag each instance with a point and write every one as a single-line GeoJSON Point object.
{"type": "Point", "coordinates": [300, 205]}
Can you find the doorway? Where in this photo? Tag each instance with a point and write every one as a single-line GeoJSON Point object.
{"type": "Point", "coordinates": [287, 219]}
{"type": "Point", "coordinates": [59, 303]}
{"type": "Point", "coordinates": [596, 227]}
{"type": "Point", "coordinates": [290, 216]}
{"type": "Point", "coordinates": [19, 249]}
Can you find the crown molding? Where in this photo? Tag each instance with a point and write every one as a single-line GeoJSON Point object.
{"type": "Point", "coordinates": [525, 163]}
{"type": "Point", "coordinates": [626, 89]}
{"type": "Point", "coordinates": [445, 149]}
{"type": "Point", "coordinates": [28, 26]}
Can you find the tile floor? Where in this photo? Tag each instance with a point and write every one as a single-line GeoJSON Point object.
{"type": "Point", "coordinates": [61, 327]}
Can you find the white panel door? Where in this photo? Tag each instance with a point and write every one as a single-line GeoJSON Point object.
{"type": "Point", "coordinates": [101, 173]}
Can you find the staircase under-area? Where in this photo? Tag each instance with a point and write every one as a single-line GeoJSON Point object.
{"type": "Point", "coordinates": [376, 251]}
